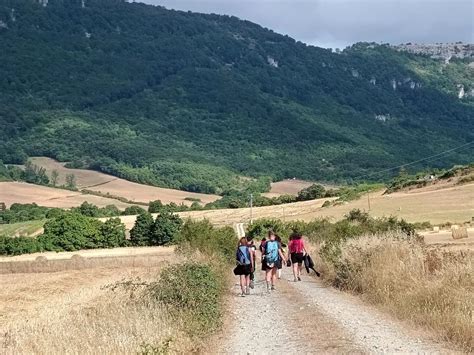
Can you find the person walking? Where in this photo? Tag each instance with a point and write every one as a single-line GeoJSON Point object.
{"type": "Point", "coordinates": [280, 260]}
{"type": "Point", "coordinates": [253, 252]}
{"type": "Point", "coordinates": [271, 253]}
{"type": "Point", "coordinates": [244, 268]}
{"type": "Point", "coordinates": [297, 250]}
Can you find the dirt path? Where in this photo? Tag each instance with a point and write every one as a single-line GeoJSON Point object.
{"type": "Point", "coordinates": [327, 321]}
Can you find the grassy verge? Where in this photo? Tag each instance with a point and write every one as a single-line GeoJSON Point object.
{"type": "Point", "coordinates": [193, 290]}
{"type": "Point", "coordinates": [428, 287]}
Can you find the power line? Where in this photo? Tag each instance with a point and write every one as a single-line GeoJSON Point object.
{"type": "Point", "coordinates": [416, 161]}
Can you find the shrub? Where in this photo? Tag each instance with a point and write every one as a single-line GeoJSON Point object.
{"type": "Point", "coordinates": [204, 237]}
{"type": "Point", "coordinates": [17, 246]}
{"type": "Point", "coordinates": [193, 290]}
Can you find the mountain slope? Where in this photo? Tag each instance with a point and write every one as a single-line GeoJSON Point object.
{"type": "Point", "coordinates": [192, 101]}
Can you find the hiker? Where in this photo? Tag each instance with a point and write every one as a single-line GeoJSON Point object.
{"type": "Point", "coordinates": [271, 253]}
{"type": "Point", "coordinates": [280, 260]}
{"type": "Point", "coordinates": [244, 266]}
{"type": "Point", "coordinates": [261, 247]}
{"type": "Point", "coordinates": [253, 251]}
{"type": "Point", "coordinates": [297, 251]}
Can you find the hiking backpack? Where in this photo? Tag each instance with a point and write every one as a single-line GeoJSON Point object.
{"type": "Point", "coordinates": [243, 255]}
{"type": "Point", "coordinates": [271, 252]}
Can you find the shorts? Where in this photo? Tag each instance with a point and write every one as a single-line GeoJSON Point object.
{"type": "Point", "coordinates": [279, 264]}
{"type": "Point", "coordinates": [243, 270]}
{"type": "Point", "coordinates": [297, 258]}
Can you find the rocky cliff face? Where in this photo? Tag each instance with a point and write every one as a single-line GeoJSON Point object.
{"type": "Point", "coordinates": [444, 51]}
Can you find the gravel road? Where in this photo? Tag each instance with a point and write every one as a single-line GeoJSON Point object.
{"type": "Point", "coordinates": [308, 318]}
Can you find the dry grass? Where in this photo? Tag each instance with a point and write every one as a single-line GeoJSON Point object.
{"type": "Point", "coordinates": [423, 285]}
{"type": "Point", "coordinates": [95, 181]}
{"type": "Point", "coordinates": [77, 311]}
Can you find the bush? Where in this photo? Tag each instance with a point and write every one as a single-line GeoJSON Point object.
{"type": "Point", "coordinates": [202, 236]}
{"type": "Point", "coordinates": [194, 290]}
{"type": "Point", "coordinates": [18, 246]}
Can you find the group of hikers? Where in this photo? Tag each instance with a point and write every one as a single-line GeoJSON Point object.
{"type": "Point", "coordinates": [273, 258]}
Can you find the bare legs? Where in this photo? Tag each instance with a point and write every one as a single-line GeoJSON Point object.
{"type": "Point", "coordinates": [244, 284]}
{"type": "Point", "coordinates": [297, 267]}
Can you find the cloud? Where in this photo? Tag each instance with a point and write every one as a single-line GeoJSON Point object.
{"type": "Point", "coordinates": [337, 23]}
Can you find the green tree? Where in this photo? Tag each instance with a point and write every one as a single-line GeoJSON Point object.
{"type": "Point", "coordinates": [88, 209]}
{"type": "Point", "coordinates": [140, 233]}
{"type": "Point", "coordinates": [133, 210]}
{"type": "Point", "coordinates": [312, 192]}
{"type": "Point", "coordinates": [155, 206]}
{"type": "Point", "coordinates": [73, 231]}
{"type": "Point", "coordinates": [165, 228]}
{"type": "Point", "coordinates": [113, 233]}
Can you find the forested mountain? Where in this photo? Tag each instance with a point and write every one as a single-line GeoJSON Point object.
{"type": "Point", "coordinates": [188, 100]}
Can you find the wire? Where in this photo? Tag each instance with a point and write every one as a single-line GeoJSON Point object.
{"type": "Point", "coordinates": [416, 161]}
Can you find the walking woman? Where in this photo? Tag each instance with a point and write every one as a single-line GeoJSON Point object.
{"type": "Point", "coordinates": [253, 252]}
{"type": "Point", "coordinates": [297, 250]}
{"type": "Point", "coordinates": [271, 253]}
{"type": "Point", "coordinates": [280, 260]}
{"type": "Point", "coordinates": [244, 258]}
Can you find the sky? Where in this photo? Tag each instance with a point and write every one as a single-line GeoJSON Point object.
{"type": "Point", "coordinates": [338, 23]}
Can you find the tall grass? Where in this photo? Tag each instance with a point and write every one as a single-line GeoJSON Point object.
{"type": "Point", "coordinates": [429, 287]}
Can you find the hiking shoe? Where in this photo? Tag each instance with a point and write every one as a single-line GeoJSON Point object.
{"type": "Point", "coordinates": [299, 278]}
{"type": "Point", "coordinates": [295, 279]}
{"type": "Point", "coordinates": [247, 292]}
{"type": "Point", "coordinates": [273, 288]}
{"type": "Point", "coordinates": [242, 295]}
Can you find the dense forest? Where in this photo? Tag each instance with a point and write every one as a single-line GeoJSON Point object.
{"type": "Point", "coordinates": [190, 100]}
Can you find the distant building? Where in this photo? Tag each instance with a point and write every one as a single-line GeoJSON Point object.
{"type": "Point", "coordinates": [3, 207]}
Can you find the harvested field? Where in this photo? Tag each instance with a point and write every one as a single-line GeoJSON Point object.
{"type": "Point", "coordinates": [11, 192]}
{"type": "Point", "coordinates": [287, 187]}
{"type": "Point", "coordinates": [455, 204]}
{"type": "Point", "coordinates": [108, 184]}
{"type": "Point", "coordinates": [73, 310]}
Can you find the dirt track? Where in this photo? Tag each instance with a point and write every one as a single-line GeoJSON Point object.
{"type": "Point", "coordinates": [308, 318]}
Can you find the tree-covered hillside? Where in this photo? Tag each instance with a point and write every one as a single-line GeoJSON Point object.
{"type": "Point", "coordinates": [185, 100]}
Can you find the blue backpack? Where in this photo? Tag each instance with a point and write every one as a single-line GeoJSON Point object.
{"type": "Point", "coordinates": [243, 255]}
{"type": "Point", "coordinates": [271, 252]}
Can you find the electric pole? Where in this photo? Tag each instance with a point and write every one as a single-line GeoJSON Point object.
{"type": "Point", "coordinates": [251, 205]}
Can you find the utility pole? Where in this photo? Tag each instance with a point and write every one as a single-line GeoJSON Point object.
{"type": "Point", "coordinates": [251, 205]}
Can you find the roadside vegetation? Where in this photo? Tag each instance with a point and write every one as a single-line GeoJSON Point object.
{"type": "Point", "coordinates": [462, 173]}
{"type": "Point", "coordinates": [386, 262]}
